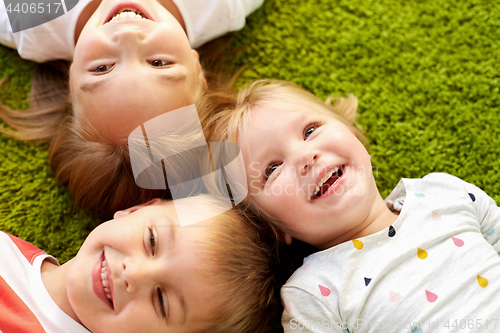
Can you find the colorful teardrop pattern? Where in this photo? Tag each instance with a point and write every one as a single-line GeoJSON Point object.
{"type": "Point", "coordinates": [490, 232]}
{"type": "Point", "coordinates": [482, 281]}
{"type": "Point", "coordinates": [457, 241]}
{"type": "Point", "coordinates": [324, 290]}
{"type": "Point", "coordinates": [431, 297]}
{"type": "Point", "coordinates": [421, 254]}
{"type": "Point", "coordinates": [358, 244]}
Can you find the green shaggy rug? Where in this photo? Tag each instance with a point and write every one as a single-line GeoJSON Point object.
{"type": "Point", "coordinates": [426, 74]}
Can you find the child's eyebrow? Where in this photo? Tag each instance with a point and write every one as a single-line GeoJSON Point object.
{"type": "Point", "coordinates": [172, 234]}
{"type": "Point", "coordinates": [171, 231]}
{"type": "Point", "coordinates": [88, 87]}
{"type": "Point", "coordinates": [184, 307]}
{"type": "Point", "coordinates": [173, 78]}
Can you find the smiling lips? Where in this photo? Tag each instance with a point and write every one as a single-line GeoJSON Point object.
{"type": "Point", "coordinates": [128, 13]}
{"type": "Point", "coordinates": [106, 283]}
{"type": "Point", "coordinates": [128, 10]}
{"type": "Point", "coordinates": [328, 180]}
{"type": "Point", "coordinates": [102, 283]}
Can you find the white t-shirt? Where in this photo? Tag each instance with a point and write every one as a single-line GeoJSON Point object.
{"type": "Point", "coordinates": [25, 304]}
{"type": "Point", "coordinates": [436, 269]}
{"type": "Point", "coordinates": [49, 41]}
{"type": "Point", "coordinates": [204, 19]}
{"type": "Point", "coordinates": [208, 19]}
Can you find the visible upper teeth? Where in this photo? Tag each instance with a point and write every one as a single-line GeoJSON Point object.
{"type": "Point", "coordinates": [128, 13]}
{"type": "Point", "coordinates": [325, 178]}
{"type": "Point", "coordinates": [104, 280]}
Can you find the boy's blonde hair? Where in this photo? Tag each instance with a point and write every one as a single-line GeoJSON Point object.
{"type": "Point", "coordinates": [240, 251]}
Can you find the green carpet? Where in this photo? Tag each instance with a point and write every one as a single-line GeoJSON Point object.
{"type": "Point", "coordinates": [425, 72]}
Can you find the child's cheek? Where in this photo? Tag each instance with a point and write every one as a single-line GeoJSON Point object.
{"type": "Point", "coordinates": [282, 195]}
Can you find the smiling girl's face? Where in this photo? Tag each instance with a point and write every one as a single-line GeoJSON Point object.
{"type": "Point", "coordinates": [142, 272]}
{"type": "Point", "coordinates": [309, 172]}
{"type": "Point", "coordinates": [132, 62]}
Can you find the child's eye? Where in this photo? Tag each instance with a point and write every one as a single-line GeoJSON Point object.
{"type": "Point", "coordinates": [162, 303]}
{"type": "Point", "coordinates": [102, 68]}
{"type": "Point", "coordinates": [310, 128]}
{"type": "Point", "coordinates": [152, 241]}
{"type": "Point", "coordinates": [160, 63]}
{"type": "Point", "coordinates": [270, 169]}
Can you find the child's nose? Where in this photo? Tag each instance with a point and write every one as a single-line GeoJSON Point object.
{"type": "Point", "coordinates": [128, 36]}
{"type": "Point", "coordinates": [307, 160]}
{"type": "Point", "coordinates": [139, 273]}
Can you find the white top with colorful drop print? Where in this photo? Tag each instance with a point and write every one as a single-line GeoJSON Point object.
{"type": "Point", "coordinates": [436, 269]}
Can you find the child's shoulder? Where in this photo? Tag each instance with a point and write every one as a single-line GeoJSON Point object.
{"type": "Point", "coordinates": [433, 180]}
{"type": "Point", "coordinates": [443, 177]}
{"type": "Point", "coordinates": [434, 184]}
{"type": "Point", "coordinates": [317, 267]}
{"type": "Point", "coordinates": [447, 182]}
{"type": "Point", "coordinates": [15, 244]}
{"type": "Point", "coordinates": [48, 36]}
{"type": "Point", "coordinates": [208, 19]}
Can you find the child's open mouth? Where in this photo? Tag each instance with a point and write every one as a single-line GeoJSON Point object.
{"type": "Point", "coordinates": [330, 179]}
{"type": "Point", "coordinates": [129, 11]}
{"type": "Point", "coordinates": [105, 281]}
{"type": "Point", "coordinates": [102, 284]}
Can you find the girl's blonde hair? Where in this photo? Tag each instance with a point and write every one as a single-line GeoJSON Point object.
{"type": "Point", "coordinates": [227, 112]}
{"type": "Point", "coordinates": [49, 104]}
{"type": "Point", "coordinates": [96, 172]}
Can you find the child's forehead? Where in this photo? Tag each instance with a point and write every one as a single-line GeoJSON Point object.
{"type": "Point", "coordinates": [164, 213]}
{"type": "Point", "coordinates": [291, 109]}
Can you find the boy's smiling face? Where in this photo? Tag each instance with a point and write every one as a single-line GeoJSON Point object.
{"type": "Point", "coordinates": [131, 69]}
{"type": "Point", "coordinates": [153, 269]}
{"type": "Point", "coordinates": [309, 172]}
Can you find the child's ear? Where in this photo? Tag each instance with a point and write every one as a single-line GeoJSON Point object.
{"type": "Point", "coordinates": [285, 237]}
{"type": "Point", "coordinates": [69, 83]}
{"type": "Point", "coordinates": [201, 74]}
{"type": "Point", "coordinates": [130, 210]}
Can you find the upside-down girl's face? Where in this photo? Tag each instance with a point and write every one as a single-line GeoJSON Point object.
{"type": "Point", "coordinates": [132, 62]}
{"type": "Point", "coordinates": [308, 171]}
{"type": "Point", "coordinates": [142, 272]}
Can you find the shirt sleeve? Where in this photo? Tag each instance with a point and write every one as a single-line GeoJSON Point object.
{"type": "Point", "coordinates": [6, 36]}
{"type": "Point", "coordinates": [486, 209]}
{"type": "Point", "coordinates": [303, 312]}
{"type": "Point", "coordinates": [488, 214]}
{"type": "Point", "coordinates": [249, 6]}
